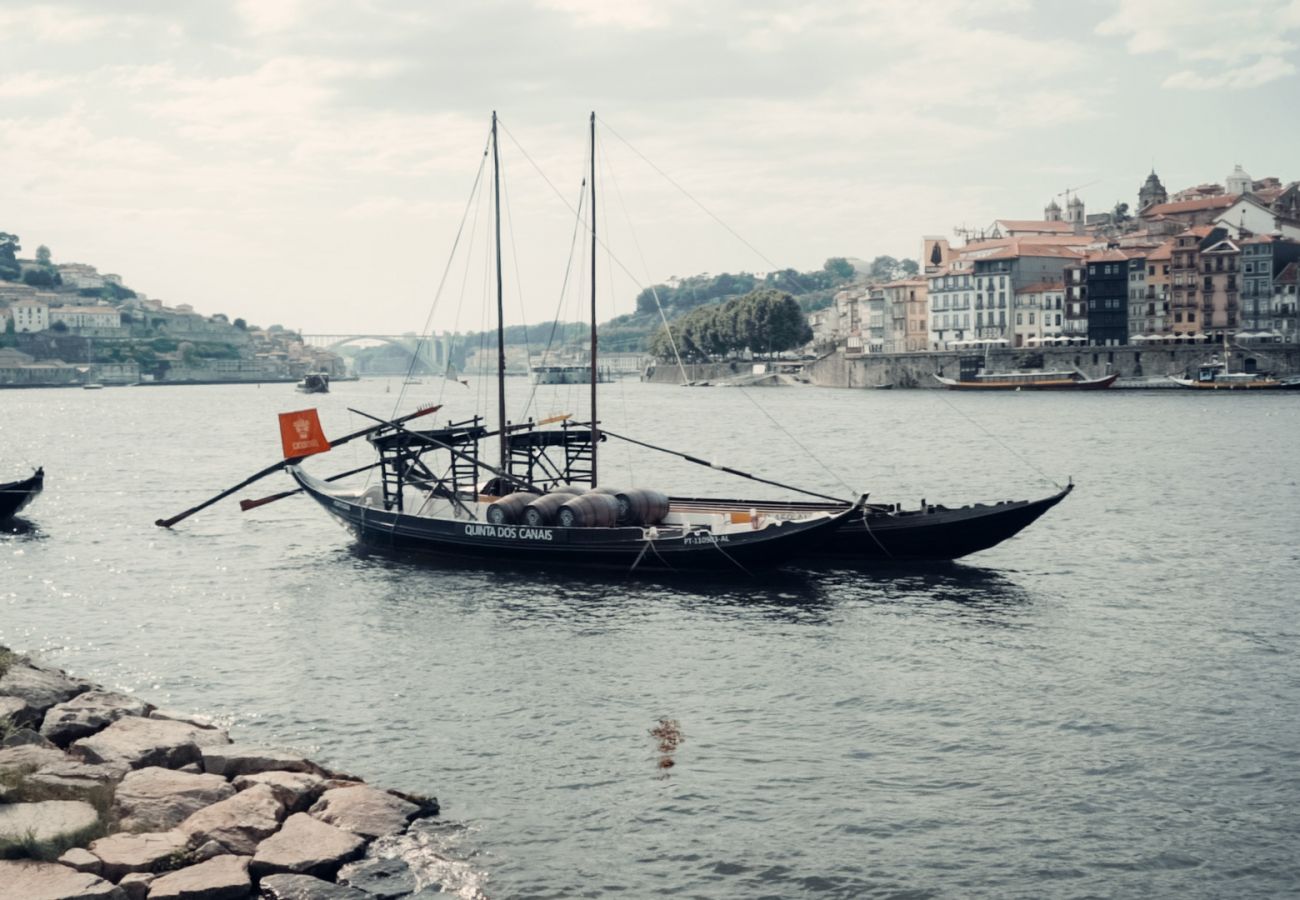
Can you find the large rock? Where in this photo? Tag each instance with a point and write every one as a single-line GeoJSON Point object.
{"type": "Point", "coordinates": [306, 846]}
{"type": "Point", "coordinates": [15, 711]}
{"type": "Point", "coordinates": [26, 737]}
{"type": "Point", "coordinates": [71, 779]}
{"type": "Point", "coordinates": [157, 799]}
{"type": "Point", "coordinates": [383, 879]}
{"type": "Point", "coordinates": [305, 887]}
{"type": "Point", "coordinates": [245, 759]}
{"type": "Point", "coordinates": [82, 860]}
{"type": "Point", "coordinates": [136, 884]}
{"type": "Point", "coordinates": [137, 742]}
{"type": "Point", "coordinates": [123, 853]}
{"type": "Point", "coordinates": [220, 878]}
{"type": "Point", "coordinates": [27, 758]}
{"type": "Point", "coordinates": [25, 880]}
{"type": "Point", "coordinates": [239, 823]}
{"type": "Point", "coordinates": [65, 822]}
{"type": "Point", "coordinates": [38, 687]}
{"type": "Point", "coordinates": [88, 713]}
{"type": "Point", "coordinates": [365, 810]}
{"type": "Point", "coordinates": [296, 790]}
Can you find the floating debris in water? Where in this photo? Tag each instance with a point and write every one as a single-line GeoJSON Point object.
{"type": "Point", "coordinates": [668, 733]}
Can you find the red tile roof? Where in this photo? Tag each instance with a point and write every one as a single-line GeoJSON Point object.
{"type": "Point", "coordinates": [1223, 201]}
{"type": "Point", "coordinates": [1036, 225]}
{"type": "Point", "coordinates": [1039, 287]}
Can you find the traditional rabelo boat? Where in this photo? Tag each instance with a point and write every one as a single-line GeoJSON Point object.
{"type": "Point", "coordinates": [15, 495]}
{"type": "Point", "coordinates": [1028, 380]}
{"type": "Point", "coordinates": [541, 504]}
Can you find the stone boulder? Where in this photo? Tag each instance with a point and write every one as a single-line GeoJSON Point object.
{"type": "Point", "coordinates": [26, 758]}
{"type": "Point", "coordinates": [38, 687]}
{"type": "Point", "coordinates": [157, 799]}
{"type": "Point", "coordinates": [15, 711]}
{"type": "Point", "coordinates": [365, 810]}
{"type": "Point", "coordinates": [124, 853]}
{"type": "Point", "coordinates": [71, 779]}
{"type": "Point", "coordinates": [136, 885]}
{"type": "Point", "coordinates": [245, 759]}
{"type": "Point", "coordinates": [220, 878]}
{"type": "Point", "coordinates": [51, 881]}
{"type": "Point", "coordinates": [305, 887]}
{"type": "Point", "coordinates": [82, 860]}
{"type": "Point", "coordinates": [296, 790]}
{"type": "Point", "coordinates": [238, 823]}
{"type": "Point", "coordinates": [136, 743]}
{"type": "Point", "coordinates": [383, 879]}
{"type": "Point", "coordinates": [88, 713]}
{"type": "Point", "coordinates": [51, 822]}
{"type": "Point", "coordinates": [306, 846]}
{"type": "Point", "coordinates": [26, 737]}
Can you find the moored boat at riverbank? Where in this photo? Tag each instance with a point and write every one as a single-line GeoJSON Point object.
{"type": "Point", "coordinates": [1028, 380]}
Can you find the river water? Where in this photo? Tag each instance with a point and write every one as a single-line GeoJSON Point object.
{"type": "Point", "coordinates": [1104, 706]}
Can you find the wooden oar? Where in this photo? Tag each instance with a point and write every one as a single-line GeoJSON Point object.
{"type": "Point", "coordinates": [246, 505]}
{"type": "Point", "coordinates": [269, 470]}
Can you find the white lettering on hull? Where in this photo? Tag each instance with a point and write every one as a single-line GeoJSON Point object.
{"type": "Point", "coordinates": [512, 532]}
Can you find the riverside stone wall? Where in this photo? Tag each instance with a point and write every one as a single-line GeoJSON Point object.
{"type": "Point", "coordinates": [104, 796]}
{"type": "Point", "coordinates": [917, 370]}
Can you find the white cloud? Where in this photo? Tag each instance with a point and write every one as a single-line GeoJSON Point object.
{"type": "Point", "coordinates": [30, 84]}
{"type": "Point", "coordinates": [629, 15]}
{"type": "Point", "coordinates": [1263, 71]}
{"type": "Point", "coordinates": [263, 17]}
{"type": "Point", "coordinates": [1248, 40]}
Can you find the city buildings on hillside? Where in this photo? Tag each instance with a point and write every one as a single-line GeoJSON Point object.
{"type": "Point", "coordinates": [1210, 262]}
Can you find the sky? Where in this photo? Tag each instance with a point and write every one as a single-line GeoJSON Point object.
{"type": "Point", "coordinates": [309, 163]}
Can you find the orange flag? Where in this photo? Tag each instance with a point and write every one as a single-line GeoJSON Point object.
{"type": "Point", "coordinates": [301, 434]}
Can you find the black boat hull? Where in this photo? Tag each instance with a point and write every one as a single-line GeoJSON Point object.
{"type": "Point", "coordinates": [935, 533]}
{"type": "Point", "coordinates": [620, 548]}
{"type": "Point", "coordinates": [15, 495]}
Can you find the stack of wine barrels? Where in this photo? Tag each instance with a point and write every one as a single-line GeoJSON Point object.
{"type": "Point", "coordinates": [509, 510]}
{"type": "Point", "coordinates": [570, 506]}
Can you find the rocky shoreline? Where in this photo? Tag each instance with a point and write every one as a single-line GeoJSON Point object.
{"type": "Point", "coordinates": [104, 796]}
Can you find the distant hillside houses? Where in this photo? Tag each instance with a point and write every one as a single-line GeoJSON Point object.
{"type": "Point", "coordinates": [1211, 263]}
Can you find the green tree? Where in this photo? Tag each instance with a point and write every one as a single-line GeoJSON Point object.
{"type": "Point", "coordinates": [240, 324]}
{"type": "Point", "coordinates": [839, 268]}
{"type": "Point", "coordinates": [59, 326]}
{"type": "Point", "coordinates": [41, 278]}
{"type": "Point", "coordinates": [9, 247]}
{"type": "Point", "coordinates": [43, 256]}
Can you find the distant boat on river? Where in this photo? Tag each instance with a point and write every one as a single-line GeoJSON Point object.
{"type": "Point", "coordinates": [315, 383]}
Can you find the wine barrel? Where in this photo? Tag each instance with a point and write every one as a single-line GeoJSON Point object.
{"type": "Point", "coordinates": [641, 506]}
{"type": "Point", "coordinates": [589, 510]}
{"type": "Point", "coordinates": [508, 510]}
{"type": "Point", "coordinates": [542, 510]}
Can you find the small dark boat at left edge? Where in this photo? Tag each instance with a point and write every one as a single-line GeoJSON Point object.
{"type": "Point", "coordinates": [15, 495]}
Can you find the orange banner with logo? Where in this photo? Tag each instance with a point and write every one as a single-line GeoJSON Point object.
{"type": "Point", "coordinates": [301, 434]}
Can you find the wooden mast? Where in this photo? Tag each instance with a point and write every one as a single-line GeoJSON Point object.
{"type": "Point", "coordinates": [501, 328]}
{"type": "Point", "coordinates": [595, 432]}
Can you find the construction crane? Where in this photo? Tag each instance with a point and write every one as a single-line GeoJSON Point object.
{"type": "Point", "coordinates": [1074, 190]}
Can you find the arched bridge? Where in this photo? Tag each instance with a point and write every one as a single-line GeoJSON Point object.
{"type": "Point", "coordinates": [430, 352]}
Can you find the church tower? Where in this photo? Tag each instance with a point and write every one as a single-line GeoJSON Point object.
{"type": "Point", "coordinates": [1152, 192]}
{"type": "Point", "coordinates": [1238, 182]}
{"type": "Point", "coordinates": [1052, 212]}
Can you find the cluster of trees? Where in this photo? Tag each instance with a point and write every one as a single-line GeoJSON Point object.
{"type": "Point", "coordinates": [684, 294]}
{"type": "Point", "coordinates": [43, 274]}
{"type": "Point", "coordinates": [763, 321]}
